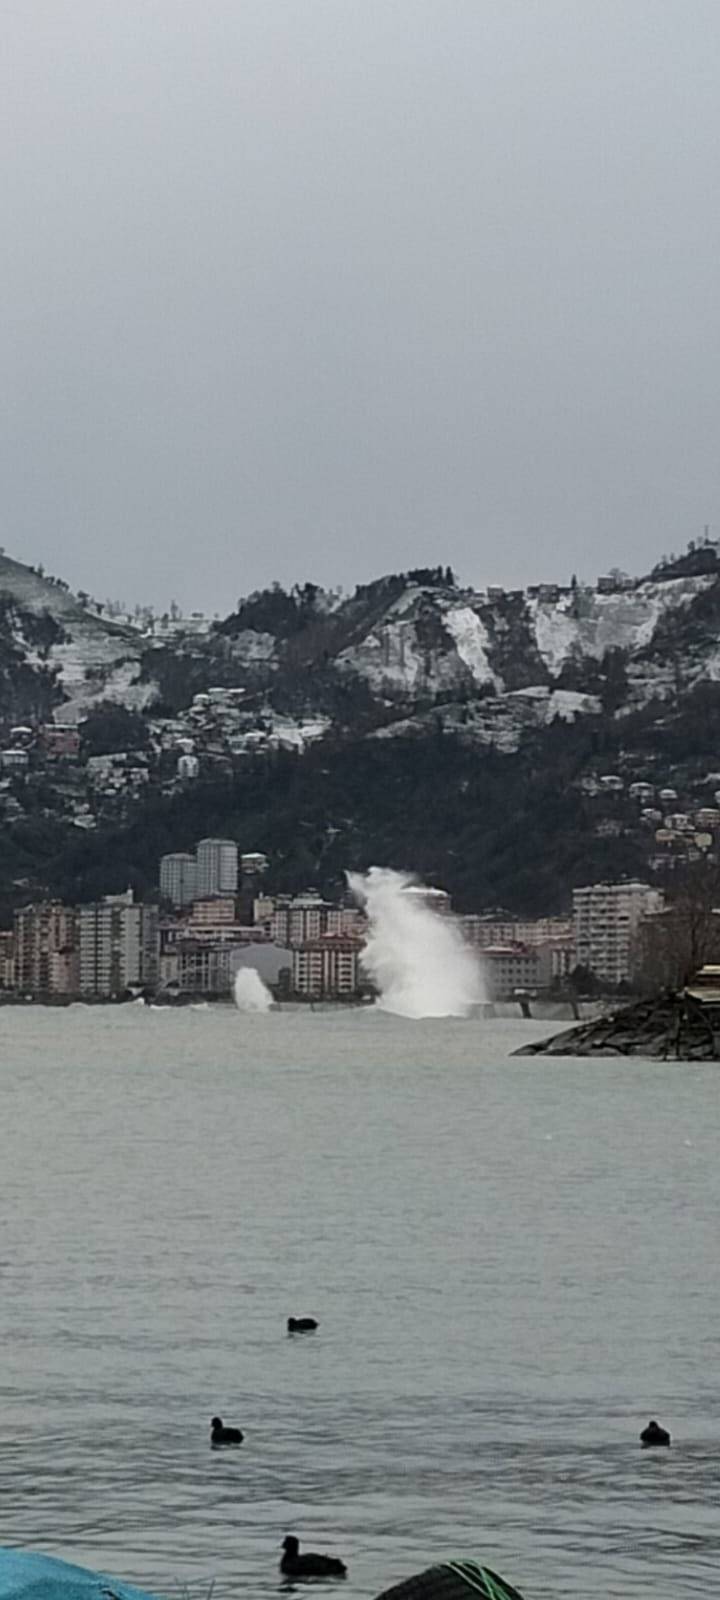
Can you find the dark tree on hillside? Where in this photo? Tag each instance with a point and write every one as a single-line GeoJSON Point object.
{"type": "Point", "coordinates": [614, 689]}
{"type": "Point", "coordinates": [110, 727]}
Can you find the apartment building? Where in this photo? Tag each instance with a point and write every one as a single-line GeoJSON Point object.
{"type": "Point", "coordinates": [607, 918]}
{"type": "Point", "coordinates": [178, 879]}
{"type": "Point", "coordinates": [326, 968]}
{"type": "Point", "coordinates": [217, 867]}
{"type": "Point", "coordinates": [212, 912]}
{"type": "Point", "coordinates": [198, 967]}
{"type": "Point", "coordinates": [300, 919]}
{"type": "Point", "coordinates": [46, 949]}
{"type": "Point", "coordinates": [497, 927]}
{"type": "Point", "coordinates": [118, 945]}
{"type": "Point", "coordinates": [7, 961]}
{"type": "Point", "coordinates": [513, 968]}
{"type": "Point", "coordinates": [482, 930]}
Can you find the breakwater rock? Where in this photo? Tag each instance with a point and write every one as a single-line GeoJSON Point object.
{"type": "Point", "coordinates": [667, 1027]}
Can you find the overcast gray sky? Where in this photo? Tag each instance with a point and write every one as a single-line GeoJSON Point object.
{"type": "Point", "coordinates": [326, 288]}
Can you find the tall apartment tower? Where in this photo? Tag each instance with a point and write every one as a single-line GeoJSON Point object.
{"type": "Point", "coordinates": [217, 867]}
{"type": "Point", "coordinates": [607, 918]}
{"type": "Point", "coordinates": [46, 960]}
{"type": "Point", "coordinates": [118, 945]}
{"type": "Point", "coordinates": [178, 879]}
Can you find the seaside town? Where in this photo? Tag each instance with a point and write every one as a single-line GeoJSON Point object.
{"type": "Point", "coordinates": [212, 918]}
{"type": "Point", "coordinates": [644, 819]}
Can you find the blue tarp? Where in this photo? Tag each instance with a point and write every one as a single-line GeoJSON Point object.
{"type": "Point", "coordinates": [24, 1576]}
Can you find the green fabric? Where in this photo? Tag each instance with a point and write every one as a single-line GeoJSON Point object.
{"type": "Point", "coordinates": [483, 1581]}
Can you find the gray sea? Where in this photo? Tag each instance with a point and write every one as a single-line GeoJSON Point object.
{"type": "Point", "coordinates": [514, 1263]}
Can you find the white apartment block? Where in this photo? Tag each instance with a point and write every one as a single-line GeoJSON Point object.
{"type": "Point", "coordinates": [217, 867]}
{"type": "Point", "coordinates": [607, 918]}
{"type": "Point", "coordinates": [118, 945]}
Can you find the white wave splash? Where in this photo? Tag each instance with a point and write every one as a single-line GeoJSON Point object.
{"type": "Point", "coordinates": [250, 992]}
{"type": "Point", "coordinates": [417, 958]}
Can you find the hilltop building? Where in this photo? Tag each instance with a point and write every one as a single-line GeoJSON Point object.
{"type": "Point", "coordinates": [253, 863]}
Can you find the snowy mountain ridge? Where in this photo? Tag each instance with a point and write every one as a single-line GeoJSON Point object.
{"type": "Point", "coordinates": [493, 663]}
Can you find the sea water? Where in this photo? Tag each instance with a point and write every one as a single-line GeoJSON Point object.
{"type": "Point", "coordinates": [513, 1263]}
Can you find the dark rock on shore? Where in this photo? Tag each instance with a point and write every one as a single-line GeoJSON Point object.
{"type": "Point", "coordinates": [666, 1027]}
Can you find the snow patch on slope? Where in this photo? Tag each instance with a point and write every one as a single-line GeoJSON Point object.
{"type": "Point", "coordinates": [556, 632]}
{"type": "Point", "coordinates": [500, 722]}
{"type": "Point", "coordinates": [590, 623]}
{"type": "Point", "coordinates": [568, 705]}
{"type": "Point", "coordinates": [472, 642]}
{"type": "Point", "coordinates": [394, 654]}
{"type": "Point", "coordinates": [86, 680]}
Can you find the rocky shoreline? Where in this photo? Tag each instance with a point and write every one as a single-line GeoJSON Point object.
{"type": "Point", "coordinates": [671, 1026]}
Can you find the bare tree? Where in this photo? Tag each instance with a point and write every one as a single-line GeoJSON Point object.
{"type": "Point", "coordinates": [675, 943]}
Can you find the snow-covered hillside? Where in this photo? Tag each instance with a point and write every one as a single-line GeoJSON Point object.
{"type": "Point", "coordinates": [53, 642]}
{"type": "Point", "coordinates": [431, 640]}
{"type": "Point", "coordinates": [508, 660]}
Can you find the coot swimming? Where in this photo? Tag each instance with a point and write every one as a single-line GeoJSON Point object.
{"type": "Point", "coordinates": [654, 1436]}
{"type": "Point", "coordinates": [293, 1565]}
{"type": "Point", "coordinates": [219, 1434]}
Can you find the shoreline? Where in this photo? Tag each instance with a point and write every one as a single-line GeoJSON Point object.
{"type": "Point", "coordinates": [539, 1010]}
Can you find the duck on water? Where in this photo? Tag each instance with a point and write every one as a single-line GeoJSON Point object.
{"type": "Point", "coordinates": [301, 1325]}
{"type": "Point", "coordinates": [311, 1565]}
{"type": "Point", "coordinates": [219, 1434]}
